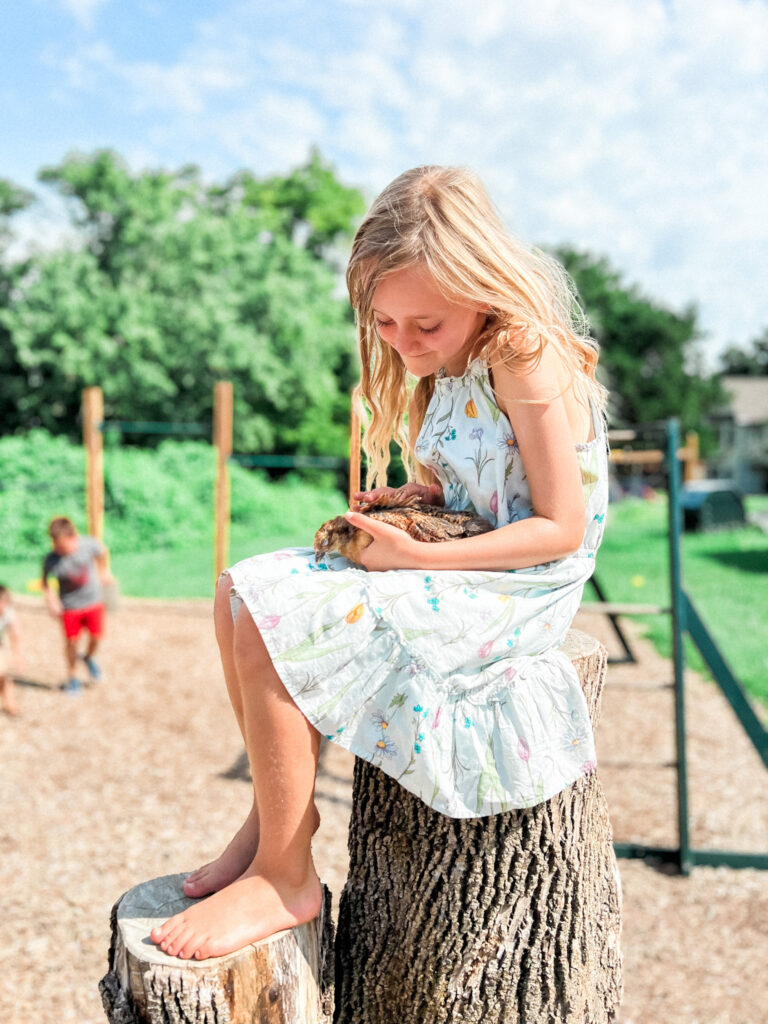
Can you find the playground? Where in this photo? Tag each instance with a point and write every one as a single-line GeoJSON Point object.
{"type": "Point", "coordinates": [144, 776]}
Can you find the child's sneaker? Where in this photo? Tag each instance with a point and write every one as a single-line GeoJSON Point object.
{"type": "Point", "coordinates": [73, 686]}
{"type": "Point", "coordinates": [94, 669]}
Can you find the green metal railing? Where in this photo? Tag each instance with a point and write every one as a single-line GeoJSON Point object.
{"type": "Point", "coordinates": [154, 427]}
{"type": "Point", "coordinates": [686, 620]}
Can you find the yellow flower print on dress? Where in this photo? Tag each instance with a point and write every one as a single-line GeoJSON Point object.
{"type": "Point", "coordinates": [355, 614]}
{"type": "Point", "coordinates": [471, 409]}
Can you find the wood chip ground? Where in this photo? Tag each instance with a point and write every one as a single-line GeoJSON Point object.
{"type": "Point", "coordinates": [143, 775]}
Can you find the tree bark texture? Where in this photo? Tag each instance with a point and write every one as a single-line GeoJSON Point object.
{"type": "Point", "coordinates": [511, 918]}
{"type": "Point", "coordinates": [286, 980]}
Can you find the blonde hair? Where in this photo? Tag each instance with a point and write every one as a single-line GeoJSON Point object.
{"type": "Point", "coordinates": [442, 218]}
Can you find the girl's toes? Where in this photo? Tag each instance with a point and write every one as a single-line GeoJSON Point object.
{"type": "Point", "coordinates": [168, 933]}
{"type": "Point", "coordinates": [180, 943]}
{"type": "Point", "coordinates": [190, 948]}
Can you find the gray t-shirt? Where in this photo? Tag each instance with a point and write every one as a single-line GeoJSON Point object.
{"type": "Point", "coordinates": [79, 583]}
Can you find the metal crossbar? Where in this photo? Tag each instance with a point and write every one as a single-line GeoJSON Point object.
{"type": "Point", "coordinates": [290, 461]}
{"type": "Point", "coordinates": [154, 427]}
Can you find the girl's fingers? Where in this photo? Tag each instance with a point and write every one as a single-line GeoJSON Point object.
{"type": "Point", "coordinates": [357, 519]}
{"type": "Point", "coordinates": [372, 526]}
{"type": "Point", "coordinates": [372, 495]}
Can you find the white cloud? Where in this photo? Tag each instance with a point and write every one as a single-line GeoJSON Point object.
{"type": "Point", "coordinates": [82, 10]}
{"type": "Point", "coordinates": [634, 130]}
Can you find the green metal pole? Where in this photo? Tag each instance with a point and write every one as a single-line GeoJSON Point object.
{"type": "Point", "coordinates": [678, 654]}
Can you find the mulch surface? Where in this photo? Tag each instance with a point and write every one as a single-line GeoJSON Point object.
{"type": "Point", "coordinates": [143, 775]}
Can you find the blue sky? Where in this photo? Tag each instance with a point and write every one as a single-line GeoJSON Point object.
{"type": "Point", "coordinates": [637, 129]}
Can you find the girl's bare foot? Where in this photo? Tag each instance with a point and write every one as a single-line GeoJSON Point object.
{"type": "Point", "coordinates": [252, 908]}
{"type": "Point", "coordinates": [233, 862]}
{"type": "Point", "coordinates": [230, 864]}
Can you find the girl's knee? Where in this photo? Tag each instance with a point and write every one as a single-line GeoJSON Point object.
{"type": "Point", "coordinates": [223, 587]}
{"type": "Point", "coordinates": [221, 599]}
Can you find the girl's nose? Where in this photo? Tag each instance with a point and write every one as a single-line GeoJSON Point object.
{"type": "Point", "coordinates": [403, 343]}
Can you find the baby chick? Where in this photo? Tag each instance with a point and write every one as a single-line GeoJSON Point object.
{"type": "Point", "coordinates": [421, 521]}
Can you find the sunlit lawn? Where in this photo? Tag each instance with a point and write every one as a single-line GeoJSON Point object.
{"type": "Point", "coordinates": [164, 573]}
{"type": "Point", "coordinates": [725, 574]}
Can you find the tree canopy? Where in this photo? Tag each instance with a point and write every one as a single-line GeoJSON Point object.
{"type": "Point", "coordinates": [751, 361]}
{"type": "Point", "coordinates": [648, 354]}
{"type": "Point", "coordinates": [177, 284]}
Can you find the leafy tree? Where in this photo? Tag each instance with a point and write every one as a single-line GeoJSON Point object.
{"type": "Point", "coordinates": [177, 285]}
{"type": "Point", "coordinates": [649, 358]}
{"type": "Point", "coordinates": [12, 199]}
{"type": "Point", "coordinates": [750, 362]}
{"type": "Point", "coordinates": [310, 206]}
{"type": "Point", "coordinates": [12, 377]}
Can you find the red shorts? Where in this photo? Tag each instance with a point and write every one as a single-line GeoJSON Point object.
{"type": "Point", "coordinates": [75, 619]}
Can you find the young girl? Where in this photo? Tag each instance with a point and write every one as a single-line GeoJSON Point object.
{"type": "Point", "coordinates": [439, 663]}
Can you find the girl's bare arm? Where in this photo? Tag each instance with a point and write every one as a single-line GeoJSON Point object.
{"type": "Point", "coordinates": [545, 428]}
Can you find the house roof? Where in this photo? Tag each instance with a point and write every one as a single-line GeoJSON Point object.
{"type": "Point", "coordinates": [749, 399]}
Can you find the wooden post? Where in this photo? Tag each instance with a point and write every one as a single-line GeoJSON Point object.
{"type": "Point", "coordinates": [354, 444]}
{"type": "Point", "coordinates": [508, 918]}
{"type": "Point", "coordinates": [222, 439]}
{"type": "Point", "coordinates": [286, 979]}
{"type": "Point", "coordinates": [691, 470]}
{"type": "Point", "coordinates": [93, 442]}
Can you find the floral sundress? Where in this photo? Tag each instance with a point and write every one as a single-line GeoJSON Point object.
{"type": "Point", "coordinates": [450, 682]}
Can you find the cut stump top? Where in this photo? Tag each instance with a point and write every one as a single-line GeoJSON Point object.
{"type": "Point", "coordinates": [147, 905]}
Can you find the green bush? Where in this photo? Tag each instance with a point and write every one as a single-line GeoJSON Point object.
{"type": "Point", "coordinates": [154, 499]}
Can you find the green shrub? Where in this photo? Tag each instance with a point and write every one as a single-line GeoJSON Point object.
{"type": "Point", "coordinates": [154, 499]}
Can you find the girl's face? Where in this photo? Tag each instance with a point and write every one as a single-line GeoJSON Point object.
{"type": "Point", "coordinates": [425, 329]}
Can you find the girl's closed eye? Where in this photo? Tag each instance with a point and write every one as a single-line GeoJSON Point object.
{"type": "Point", "coordinates": [384, 324]}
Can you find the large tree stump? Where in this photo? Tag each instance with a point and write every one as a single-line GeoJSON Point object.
{"type": "Point", "coordinates": [511, 918]}
{"type": "Point", "coordinates": [286, 980]}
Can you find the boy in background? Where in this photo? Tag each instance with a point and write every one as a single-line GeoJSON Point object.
{"type": "Point", "coordinates": [80, 565]}
{"type": "Point", "coordinates": [11, 656]}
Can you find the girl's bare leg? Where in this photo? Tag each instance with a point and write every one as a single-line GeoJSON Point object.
{"type": "Point", "coordinates": [242, 847]}
{"type": "Point", "coordinates": [280, 888]}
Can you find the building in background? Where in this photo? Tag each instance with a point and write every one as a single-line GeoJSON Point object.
{"type": "Point", "coordinates": [742, 427]}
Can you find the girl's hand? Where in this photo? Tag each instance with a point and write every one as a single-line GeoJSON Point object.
{"type": "Point", "coordinates": [432, 494]}
{"type": "Point", "coordinates": [391, 548]}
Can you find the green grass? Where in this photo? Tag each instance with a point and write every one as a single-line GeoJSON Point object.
{"type": "Point", "coordinates": [725, 574]}
{"type": "Point", "coordinates": [190, 573]}
{"type": "Point", "coordinates": [173, 574]}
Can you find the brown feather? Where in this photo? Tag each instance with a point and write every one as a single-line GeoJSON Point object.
{"type": "Point", "coordinates": [427, 523]}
